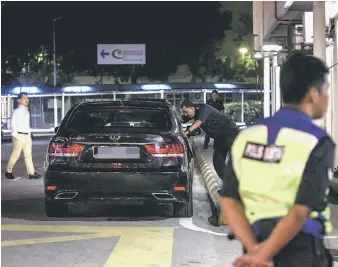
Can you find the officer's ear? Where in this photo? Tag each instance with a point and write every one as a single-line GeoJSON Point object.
{"type": "Point", "coordinates": [312, 95]}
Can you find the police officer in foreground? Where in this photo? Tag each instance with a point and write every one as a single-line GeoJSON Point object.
{"type": "Point", "coordinates": [274, 196]}
{"type": "Point", "coordinates": [217, 103]}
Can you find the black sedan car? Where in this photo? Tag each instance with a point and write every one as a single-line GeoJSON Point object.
{"type": "Point", "coordinates": [126, 152]}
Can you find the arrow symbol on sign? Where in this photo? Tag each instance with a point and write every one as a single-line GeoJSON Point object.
{"type": "Point", "coordinates": [103, 53]}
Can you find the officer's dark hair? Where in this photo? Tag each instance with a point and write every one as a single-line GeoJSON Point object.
{"type": "Point", "coordinates": [187, 103]}
{"type": "Point", "coordinates": [299, 74]}
{"type": "Point", "coordinates": [214, 91]}
{"type": "Point", "coordinates": [21, 95]}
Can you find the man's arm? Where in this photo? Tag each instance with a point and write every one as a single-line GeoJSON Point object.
{"type": "Point", "coordinates": [14, 119]}
{"type": "Point", "coordinates": [311, 195]}
{"type": "Point", "coordinates": [195, 125]}
{"type": "Point", "coordinates": [233, 210]}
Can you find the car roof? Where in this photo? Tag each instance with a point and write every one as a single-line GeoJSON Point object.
{"type": "Point", "coordinates": [132, 102]}
{"type": "Point", "coordinates": [155, 100]}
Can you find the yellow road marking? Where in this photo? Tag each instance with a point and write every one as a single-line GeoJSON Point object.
{"type": "Point", "coordinates": [34, 241]}
{"type": "Point", "coordinates": [143, 250]}
{"type": "Point", "coordinates": [137, 247]}
{"type": "Point", "coordinates": [54, 228]}
{"type": "Point", "coordinates": [118, 231]}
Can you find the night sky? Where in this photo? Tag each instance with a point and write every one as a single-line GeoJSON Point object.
{"type": "Point", "coordinates": [162, 26]}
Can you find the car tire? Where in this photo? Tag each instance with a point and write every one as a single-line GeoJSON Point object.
{"type": "Point", "coordinates": [56, 209]}
{"type": "Point", "coordinates": [184, 210]}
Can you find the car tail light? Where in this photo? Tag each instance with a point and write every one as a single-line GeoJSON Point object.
{"type": "Point", "coordinates": [165, 150]}
{"type": "Point", "coordinates": [65, 150]}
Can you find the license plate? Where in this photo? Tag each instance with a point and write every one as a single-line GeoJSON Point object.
{"type": "Point", "coordinates": [118, 153]}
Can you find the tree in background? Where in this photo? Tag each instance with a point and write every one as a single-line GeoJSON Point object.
{"type": "Point", "coordinates": [251, 112]}
{"type": "Point", "coordinates": [37, 68]}
{"type": "Point", "coordinates": [13, 64]}
{"type": "Point", "coordinates": [197, 48]}
{"type": "Point", "coordinates": [240, 35]}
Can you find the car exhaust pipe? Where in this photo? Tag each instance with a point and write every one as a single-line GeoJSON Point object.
{"type": "Point", "coordinates": [163, 196]}
{"type": "Point", "coordinates": [66, 195]}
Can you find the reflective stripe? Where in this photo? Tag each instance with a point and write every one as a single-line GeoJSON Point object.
{"type": "Point", "coordinates": [278, 184]}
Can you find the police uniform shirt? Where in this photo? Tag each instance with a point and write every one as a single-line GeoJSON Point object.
{"type": "Point", "coordinates": [215, 123]}
{"type": "Point", "coordinates": [317, 173]}
{"type": "Point", "coordinates": [218, 104]}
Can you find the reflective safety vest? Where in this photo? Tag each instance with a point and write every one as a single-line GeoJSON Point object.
{"type": "Point", "coordinates": [269, 159]}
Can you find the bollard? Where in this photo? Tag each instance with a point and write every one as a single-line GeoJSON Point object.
{"type": "Point", "coordinates": [209, 180]}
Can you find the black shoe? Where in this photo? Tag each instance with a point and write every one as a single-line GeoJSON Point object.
{"type": "Point", "coordinates": [9, 176]}
{"type": "Point", "coordinates": [205, 146]}
{"type": "Point", "coordinates": [34, 176]}
{"type": "Point", "coordinates": [213, 220]}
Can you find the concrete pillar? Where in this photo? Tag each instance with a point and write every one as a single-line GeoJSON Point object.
{"type": "Point", "coordinates": [242, 106]}
{"type": "Point", "coordinates": [334, 93]}
{"type": "Point", "coordinates": [9, 111]}
{"type": "Point", "coordinates": [278, 91]}
{"type": "Point", "coordinates": [258, 24]}
{"type": "Point", "coordinates": [266, 87]}
{"type": "Point", "coordinates": [205, 96]}
{"type": "Point", "coordinates": [319, 37]}
{"type": "Point", "coordinates": [55, 111]}
{"type": "Point", "coordinates": [63, 106]}
{"type": "Point", "coordinates": [274, 84]}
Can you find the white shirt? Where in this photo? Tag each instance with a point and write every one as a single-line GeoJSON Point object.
{"type": "Point", "coordinates": [20, 121]}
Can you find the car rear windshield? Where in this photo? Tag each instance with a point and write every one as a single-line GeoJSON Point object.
{"type": "Point", "coordinates": [112, 119]}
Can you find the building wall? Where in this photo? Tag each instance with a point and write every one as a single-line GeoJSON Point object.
{"type": "Point", "coordinates": [268, 13]}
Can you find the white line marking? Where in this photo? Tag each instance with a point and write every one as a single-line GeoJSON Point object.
{"type": "Point", "coordinates": [331, 237]}
{"type": "Point", "coordinates": [187, 223]}
{"type": "Point", "coordinates": [17, 178]}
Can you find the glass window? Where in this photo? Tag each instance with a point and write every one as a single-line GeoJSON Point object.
{"type": "Point", "coordinates": [113, 118]}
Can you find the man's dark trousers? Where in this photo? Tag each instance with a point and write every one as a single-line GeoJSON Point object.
{"type": "Point", "coordinates": [206, 140]}
{"type": "Point", "coordinates": [221, 149]}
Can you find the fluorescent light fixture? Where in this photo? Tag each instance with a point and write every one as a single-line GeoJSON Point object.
{"type": "Point", "coordinates": [77, 89]}
{"type": "Point", "coordinates": [272, 48]}
{"type": "Point", "coordinates": [225, 86]}
{"type": "Point", "coordinates": [257, 55]}
{"type": "Point", "coordinates": [288, 4]}
{"type": "Point", "coordinates": [26, 89]}
{"type": "Point", "coordinates": [155, 87]}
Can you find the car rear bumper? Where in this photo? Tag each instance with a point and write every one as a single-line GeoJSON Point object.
{"type": "Point", "coordinates": [116, 187]}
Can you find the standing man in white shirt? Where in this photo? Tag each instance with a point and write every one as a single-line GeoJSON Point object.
{"type": "Point", "coordinates": [22, 138]}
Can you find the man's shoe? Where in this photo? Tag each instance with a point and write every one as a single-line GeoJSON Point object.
{"type": "Point", "coordinates": [34, 176]}
{"type": "Point", "coordinates": [213, 220]}
{"type": "Point", "coordinates": [205, 146]}
{"type": "Point", "coordinates": [9, 176]}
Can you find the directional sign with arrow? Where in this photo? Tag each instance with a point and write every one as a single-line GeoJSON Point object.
{"type": "Point", "coordinates": [103, 53]}
{"type": "Point", "coordinates": [121, 54]}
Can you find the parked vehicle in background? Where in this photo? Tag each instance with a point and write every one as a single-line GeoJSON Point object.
{"type": "Point", "coordinates": [126, 152]}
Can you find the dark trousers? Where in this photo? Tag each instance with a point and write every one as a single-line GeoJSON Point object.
{"type": "Point", "coordinates": [304, 250]}
{"type": "Point", "coordinates": [221, 149]}
{"type": "Point", "coordinates": [206, 140]}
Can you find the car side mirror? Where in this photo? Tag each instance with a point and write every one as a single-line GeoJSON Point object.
{"type": "Point", "coordinates": [56, 129]}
